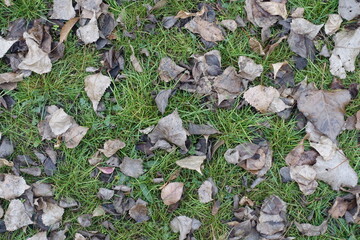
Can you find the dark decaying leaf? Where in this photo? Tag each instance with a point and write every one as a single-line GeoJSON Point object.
{"type": "Point", "coordinates": [168, 70]}
{"type": "Point", "coordinates": [106, 24]}
{"type": "Point", "coordinates": [139, 211]}
{"type": "Point", "coordinates": [311, 230]}
{"type": "Point", "coordinates": [283, 74]}
{"type": "Point", "coordinates": [114, 61]}
{"type": "Point", "coordinates": [162, 99]}
{"type": "Point", "coordinates": [207, 30]}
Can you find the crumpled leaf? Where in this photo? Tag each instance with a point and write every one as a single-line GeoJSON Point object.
{"type": "Point", "coordinates": [229, 24]}
{"type": "Point", "coordinates": [42, 189]}
{"type": "Point", "coordinates": [16, 216]}
{"type": "Point", "coordinates": [272, 220]}
{"type": "Point", "coordinates": [63, 9]}
{"type": "Point", "coordinates": [51, 212]}
{"type": "Point", "coordinates": [7, 79]}
{"type": "Point", "coordinates": [172, 192]}
{"type": "Point", "coordinates": [162, 99]}
{"type": "Point", "coordinates": [168, 70]}
{"type": "Point", "coordinates": [305, 176]}
{"type": "Point", "coordinates": [311, 230]}
{"type": "Point", "coordinates": [184, 225]}
{"type": "Point", "coordinates": [39, 236]}
{"type": "Point", "coordinates": [111, 147]}
{"type": "Point", "coordinates": [248, 69]}
{"type": "Point", "coordinates": [347, 48]}
{"type": "Point", "coordinates": [192, 162]}
{"type": "Point", "coordinates": [36, 59]}
{"type": "Point", "coordinates": [207, 191]}
{"type": "Point", "coordinates": [283, 74]}
{"type": "Point", "coordinates": [139, 211]}
{"type": "Point", "coordinates": [207, 30]}
{"type": "Point", "coordinates": [60, 122]}
{"type": "Point", "coordinates": [90, 32]}
{"type": "Point", "coordinates": [85, 220]}
{"type": "Point", "coordinates": [254, 158]}
{"type": "Point", "coordinates": [5, 45]}
{"type": "Point", "coordinates": [202, 129]}
{"type": "Point", "coordinates": [12, 186]}
{"type": "Point", "coordinates": [333, 24]}
{"type": "Point", "coordinates": [65, 30]}
{"type": "Point", "coordinates": [170, 128]}
{"type": "Point", "coordinates": [74, 135]}
{"type": "Point", "coordinates": [95, 86]}
{"type": "Point", "coordinates": [135, 62]}
{"type": "Point", "coordinates": [265, 99]}
{"type": "Point", "coordinates": [349, 9]}
{"type": "Point", "coordinates": [183, 15]}
{"type": "Point", "coordinates": [274, 7]}
{"type": "Point", "coordinates": [325, 109]}
{"type": "Point", "coordinates": [132, 167]}
{"type": "Point", "coordinates": [339, 208]}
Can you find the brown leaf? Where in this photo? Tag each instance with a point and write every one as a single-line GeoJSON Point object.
{"type": "Point", "coordinates": [170, 128]}
{"type": "Point", "coordinates": [349, 9]}
{"type": "Point", "coordinates": [325, 109]}
{"type": "Point", "coordinates": [172, 192]}
{"type": "Point", "coordinates": [255, 45]}
{"type": "Point", "coordinates": [16, 216]}
{"type": "Point", "coordinates": [139, 211]}
{"type": "Point", "coordinates": [207, 30]}
{"type": "Point", "coordinates": [305, 176]}
{"type": "Point", "coordinates": [333, 24]}
{"type": "Point", "coordinates": [74, 135]}
{"type": "Point", "coordinates": [229, 24]}
{"type": "Point", "coordinates": [183, 15]}
{"type": "Point", "coordinates": [168, 70]}
{"type": "Point", "coordinates": [65, 30]}
{"type": "Point", "coordinates": [85, 220]}
{"type": "Point", "coordinates": [12, 186]}
{"type": "Point", "coordinates": [339, 207]}
{"type": "Point", "coordinates": [158, 5]}
{"type": "Point", "coordinates": [202, 129]}
{"type": "Point", "coordinates": [60, 122]}
{"type": "Point", "coordinates": [311, 230]}
{"type": "Point", "coordinates": [132, 167]}
{"type": "Point", "coordinates": [192, 162]}
{"type": "Point", "coordinates": [111, 147]}
{"type": "Point", "coordinates": [95, 86]}
{"type": "Point", "coordinates": [135, 62]}
{"type": "Point", "coordinates": [162, 99]}
{"type": "Point", "coordinates": [274, 8]}
{"type": "Point", "coordinates": [248, 69]}
{"type": "Point", "coordinates": [63, 9]}
{"type": "Point", "coordinates": [4, 162]}
{"type": "Point", "coordinates": [5, 45]}
{"type": "Point", "coordinates": [184, 225]}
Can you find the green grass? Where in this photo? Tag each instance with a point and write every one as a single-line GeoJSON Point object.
{"type": "Point", "coordinates": [130, 107]}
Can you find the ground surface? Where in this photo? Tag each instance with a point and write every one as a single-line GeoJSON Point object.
{"type": "Point", "coordinates": [131, 107]}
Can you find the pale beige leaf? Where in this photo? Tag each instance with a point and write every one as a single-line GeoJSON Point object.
{"type": "Point", "coordinates": [10, 77]}
{"type": "Point", "coordinates": [182, 14]}
{"type": "Point", "coordinates": [192, 162]}
{"type": "Point", "coordinates": [229, 24]}
{"type": "Point", "coordinates": [248, 69]}
{"type": "Point", "coordinates": [135, 62]}
{"type": "Point", "coordinates": [60, 122]}
{"type": "Point", "coordinates": [255, 45]}
{"type": "Point", "coordinates": [63, 9]}
{"type": "Point", "coordinates": [5, 45]}
{"type": "Point", "coordinates": [305, 176]}
{"type": "Point", "coordinates": [311, 230]}
{"type": "Point", "coordinates": [333, 24]}
{"type": "Point", "coordinates": [12, 186]}
{"type": "Point", "coordinates": [95, 86]}
{"type": "Point", "coordinates": [4, 162]}
{"type": "Point", "coordinates": [207, 30]}
{"type": "Point", "coordinates": [111, 147]}
{"type": "Point", "coordinates": [39, 236]}
{"type": "Point", "coordinates": [65, 30]}
{"type": "Point", "coordinates": [349, 9]}
{"type": "Point", "coordinates": [132, 167]}
{"type": "Point", "coordinates": [90, 32]}
{"type": "Point", "coordinates": [172, 193]}
{"type": "Point", "coordinates": [205, 192]}
{"type": "Point", "coordinates": [184, 225]}
{"type": "Point", "coordinates": [74, 135]}
{"type": "Point", "coordinates": [274, 8]}
{"type": "Point", "coordinates": [16, 216]}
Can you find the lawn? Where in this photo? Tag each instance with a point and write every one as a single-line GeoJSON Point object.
{"type": "Point", "coordinates": [130, 107]}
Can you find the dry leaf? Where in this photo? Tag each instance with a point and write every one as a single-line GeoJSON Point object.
{"type": "Point", "coordinates": [139, 211]}
{"type": "Point", "coordinates": [248, 69]}
{"type": "Point", "coordinates": [162, 99]}
{"type": "Point", "coordinates": [36, 59]}
{"type": "Point", "coordinates": [192, 162]}
{"type": "Point", "coordinates": [347, 48]}
{"type": "Point", "coordinates": [63, 9]}
{"type": "Point", "coordinates": [6, 78]}
{"type": "Point", "coordinates": [274, 7]}
{"type": "Point", "coordinates": [255, 45]}
{"type": "Point", "coordinates": [98, 211]}
{"type": "Point", "coordinates": [106, 170]}
{"type": "Point", "coordinates": [12, 186]}
{"type": "Point", "coordinates": [182, 14]}
{"type": "Point", "coordinates": [4, 162]}
{"type": "Point", "coordinates": [60, 122]}
{"type": "Point", "coordinates": [111, 147]}
{"type": "Point", "coordinates": [16, 216]}
{"type": "Point", "coordinates": [311, 230]}
{"type": "Point", "coordinates": [42, 189]}
{"type": "Point", "coordinates": [135, 62]}
{"type": "Point", "coordinates": [202, 129]}
{"type": "Point", "coordinates": [305, 176]}
{"type": "Point", "coordinates": [51, 212]}
{"type": "Point", "coordinates": [333, 24]}
{"type": "Point", "coordinates": [74, 135]}
{"type": "Point", "coordinates": [105, 194]}
{"type": "Point", "coordinates": [184, 225]}
{"type": "Point", "coordinates": [168, 70]}
{"type": "Point", "coordinates": [132, 167]}
{"type": "Point", "coordinates": [229, 24]}
{"type": "Point", "coordinates": [349, 9]}
{"type": "Point", "coordinates": [8, 3]}
{"type": "Point", "coordinates": [207, 191]}
{"type": "Point", "coordinates": [298, 13]}
{"type": "Point", "coordinates": [65, 30]}
{"type": "Point", "coordinates": [207, 30]}
{"type": "Point", "coordinates": [170, 128]}
{"type": "Point", "coordinates": [325, 109]}
{"type": "Point", "coordinates": [90, 32]}
{"type": "Point", "coordinates": [172, 192]}
{"type": "Point", "coordinates": [95, 86]}
{"type": "Point", "coordinates": [265, 99]}
{"type": "Point", "coordinates": [5, 45]}
{"type": "Point", "coordinates": [339, 207]}
{"type": "Point", "coordinates": [85, 220]}
{"type": "Point", "coordinates": [39, 236]}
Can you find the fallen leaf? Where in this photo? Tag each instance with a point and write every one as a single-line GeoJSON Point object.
{"type": "Point", "coordinates": [168, 70]}
{"type": "Point", "coordinates": [65, 30]}
{"type": "Point", "coordinates": [36, 59]}
{"type": "Point", "coordinates": [95, 86]}
{"type": "Point", "coordinates": [172, 192]}
{"type": "Point", "coordinates": [51, 212]}
{"type": "Point", "coordinates": [111, 147]}
{"type": "Point", "coordinates": [162, 99]}
{"type": "Point", "coordinates": [60, 122]}
{"type": "Point", "coordinates": [298, 13]}
{"type": "Point", "coordinates": [92, 5]}
{"type": "Point", "coordinates": [16, 216]}
{"type": "Point", "coordinates": [283, 74]}
{"type": "Point", "coordinates": [39, 236]}
{"type": "Point", "coordinates": [349, 9]}
{"type": "Point", "coordinates": [63, 9]}
{"type": "Point", "coordinates": [333, 24]}
{"type": "Point", "coordinates": [12, 186]}
{"type": "Point", "coordinates": [78, 236]}
{"type": "Point", "coordinates": [8, 3]}
{"type": "Point", "coordinates": [192, 162]}
{"type": "Point", "coordinates": [74, 135]}
{"type": "Point", "coordinates": [105, 194]}
{"type": "Point", "coordinates": [202, 129]}
{"type": "Point", "coordinates": [339, 208]}
{"type": "Point", "coordinates": [89, 33]}
{"type": "Point", "coordinates": [305, 176]}
{"type": "Point", "coordinates": [98, 211]}
{"type": "Point", "coordinates": [132, 167]}
{"type": "Point", "coordinates": [106, 170]}
{"type": "Point", "coordinates": [170, 128]}
{"type": "Point", "coordinates": [4, 162]}
{"type": "Point", "coordinates": [229, 24]}
{"type": "Point", "coordinates": [6, 147]}
{"type": "Point", "coordinates": [207, 191]}
{"type": "Point", "coordinates": [255, 45]}
{"type": "Point", "coordinates": [158, 5]}
{"type": "Point", "coordinates": [135, 62]}
{"type": "Point", "coordinates": [325, 109]}
{"type": "Point", "coordinates": [183, 15]}
{"type": "Point", "coordinates": [347, 48]}
{"type": "Point", "coordinates": [265, 99]}
{"type": "Point", "coordinates": [84, 220]}
{"type": "Point", "coordinates": [42, 189]}
{"type": "Point", "coordinates": [184, 225]}
{"type": "Point", "coordinates": [139, 211]}
{"type": "Point", "coordinates": [207, 30]}
{"type": "Point", "coordinates": [311, 230]}
{"type": "Point", "coordinates": [248, 69]}
{"type": "Point", "coordinates": [5, 46]}
{"type": "Point", "coordinates": [274, 8]}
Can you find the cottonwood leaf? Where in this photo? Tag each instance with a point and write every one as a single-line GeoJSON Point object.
{"type": "Point", "coordinates": [168, 70]}
{"type": "Point", "coordinates": [90, 32]}
{"type": "Point", "coordinates": [229, 24]}
{"type": "Point", "coordinates": [325, 109]}
{"type": "Point", "coordinates": [192, 162]}
{"type": "Point", "coordinates": [274, 8]}
{"type": "Point", "coordinates": [111, 147]}
{"type": "Point", "coordinates": [60, 122]}
{"type": "Point", "coordinates": [349, 9]}
{"type": "Point", "coordinates": [139, 211]}
{"type": "Point", "coordinates": [172, 193]}
{"type": "Point", "coordinates": [162, 99]}
{"type": "Point", "coordinates": [184, 225]}
{"type": "Point", "coordinates": [305, 176]}
{"type": "Point", "coordinates": [63, 9]}
{"type": "Point", "coordinates": [12, 186]}
{"type": "Point", "coordinates": [51, 212]}
{"type": "Point", "coordinates": [66, 29]}
{"type": "Point", "coordinates": [5, 45]}
{"type": "Point", "coordinates": [16, 216]}
{"type": "Point", "coordinates": [132, 167]}
{"type": "Point", "coordinates": [311, 230]}
{"type": "Point", "coordinates": [332, 24]}
{"type": "Point", "coordinates": [39, 236]}
{"type": "Point", "coordinates": [248, 69]}
{"type": "Point", "coordinates": [135, 62]}
{"type": "Point", "coordinates": [207, 191]}
{"type": "Point", "coordinates": [95, 86]}
{"type": "Point", "coordinates": [339, 208]}
{"type": "Point", "coordinates": [183, 15]}
{"type": "Point", "coordinates": [74, 135]}
{"type": "Point", "coordinates": [207, 30]}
